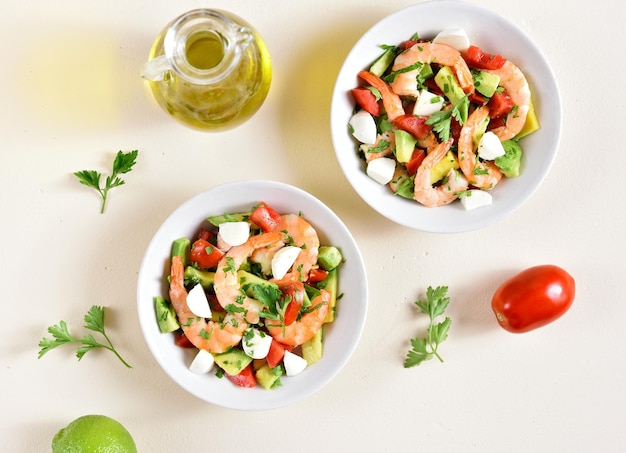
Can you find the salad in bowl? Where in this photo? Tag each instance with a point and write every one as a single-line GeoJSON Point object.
{"type": "Point", "coordinates": [252, 295]}
{"type": "Point", "coordinates": [438, 120]}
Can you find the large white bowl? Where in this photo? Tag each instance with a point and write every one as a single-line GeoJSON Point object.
{"type": "Point", "coordinates": [341, 337]}
{"type": "Point", "coordinates": [494, 34]}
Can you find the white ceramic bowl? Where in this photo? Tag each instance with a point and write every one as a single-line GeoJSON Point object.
{"type": "Point", "coordinates": [341, 337]}
{"type": "Point", "coordinates": [494, 34]}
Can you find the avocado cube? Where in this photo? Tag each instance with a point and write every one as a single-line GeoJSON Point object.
{"type": "Point", "coordinates": [166, 316]}
{"type": "Point", "coordinates": [312, 350]}
{"type": "Point", "coordinates": [233, 361]}
{"type": "Point", "coordinates": [405, 145]}
{"type": "Point", "coordinates": [447, 83]}
{"type": "Point", "coordinates": [439, 171]}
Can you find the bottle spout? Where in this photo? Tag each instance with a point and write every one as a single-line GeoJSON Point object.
{"type": "Point", "coordinates": [243, 37]}
{"type": "Point", "coordinates": [155, 69]}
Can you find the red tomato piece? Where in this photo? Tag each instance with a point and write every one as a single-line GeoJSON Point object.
{"type": "Point", "coordinates": [182, 341]}
{"type": "Point", "coordinates": [294, 294]}
{"type": "Point", "coordinates": [477, 98]}
{"type": "Point", "coordinates": [416, 160]}
{"type": "Point", "coordinates": [317, 275]}
{"type": "Point", "coordinates": [476, 58]}
{"type": "Point", "coordinates": [205, 254]}
{"type": "Point", "coordinates": [495, 123]}
{"type": "Point", "coordinates": [366, 100]}
{"type": "Point", "coordinates": [409, 43]}
{"type": "Point", "coordinates": [414, 125]}
{"type": "Point", "coordinates": [432, 86]}
{"type": "Point", "coordinates": [276, 353]}
{"type": "Point", "coordinates": [265, 217]}
{"type": "Point", "coordinates": [533, 298]}
{"type": "Point", "coordinates": [245, 379]}
{"type": "Point", "coordinates": [455, 129]}
{"type": "Point", "coordinates": [205, 234]}
{"type": "Point", "coordinates": [499, 105]}
{"type": "Point", "coordinates": [214, 303]}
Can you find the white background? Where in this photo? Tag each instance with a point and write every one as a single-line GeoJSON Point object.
{"type": "Point", "coordinates": [72, 97]}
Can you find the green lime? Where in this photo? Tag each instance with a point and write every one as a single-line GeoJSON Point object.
{"type": "Point", "coordinates": [93, 434]}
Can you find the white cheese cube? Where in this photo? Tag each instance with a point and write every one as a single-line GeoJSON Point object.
{"type": "Point", "coordinates": [381, 170]}
{"type": "Point", "coordinates": [294, 364]}
{"type": "Point", "coordinates": [198, 302]}
{"type": "Point", "coordinates": [456, 38]}
{"type": "Point", "coordinates": [475, 198]}
{"type": "Point", "coordinates": [490, 146]}
{"type": "Point", "coordinates": [283, 259]}
{"type": "Point", "coordinates": [256, 343]}
{"type": "Point", "coordinates": [427, 103]}
{"type": "Point", "coordinates": [363, 127]}
{"type": "Point", "coordinates": [234, 233]}
{"type": "Point", "coordinates": [202, 363]}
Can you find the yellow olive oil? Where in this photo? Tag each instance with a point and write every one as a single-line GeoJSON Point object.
{"type": "Point", "coordinates": [220, 79]}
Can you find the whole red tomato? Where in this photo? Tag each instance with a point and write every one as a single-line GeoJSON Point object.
{"type": "Point", "coordinates": [533, 298]}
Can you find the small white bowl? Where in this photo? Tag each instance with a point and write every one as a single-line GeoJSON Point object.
{"type": "Point", "coordinates": [492, 33]}
{"type": "Point", "coordinates": [341, 336]}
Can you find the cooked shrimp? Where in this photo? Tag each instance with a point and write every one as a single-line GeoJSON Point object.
{"type": "Point", "coordinates": [226, 284]}
{"type": "Point", "coordinates": [481, 174]}
{"type": "Point", "coordinates": [405, 84]}
{"type": "Point", "coordinates": [442, 54]}
{"type": "Point", "coordinates": [263, 256]}
{"type": "Point", "coordinates": [391, 101]}
{"type": "Point", "coordinates": [212, 336]}
{"type": "Point", "coordinates": [512, 79]}
{"type": "Point", "coordinates": [384, 146]}
{"type": "Point", "coordinates": [445, 193]}
{"type": "Point", "coordinates": [429, 142]}
{"type": "Point", "coordinates": [304, 329]}
{"type": "Point", "coordinates": [300, 233]}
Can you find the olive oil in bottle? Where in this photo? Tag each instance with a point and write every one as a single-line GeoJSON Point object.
{"type": "Point", "coordinates": [209, 69]}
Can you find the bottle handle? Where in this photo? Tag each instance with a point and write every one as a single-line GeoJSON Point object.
{"type": "Point", "coordinates": [154, 70]}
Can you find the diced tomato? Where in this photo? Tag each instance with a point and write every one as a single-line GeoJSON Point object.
{"type": "Point", "coordinates": [317, 275]}
{"type": "Point", "coordinates": [432, 86]}
{"type": "Point", "coordinates": [415, 125]}
{"type": "Point", "coordinates": [205, 234]}
{"type": "Point", "coordinates": [409, 43]}
{"type": "Point", "coordinates": [265, 217]}
{"type": "Point", "coordinates": [214, 303]}
{"type": "Point", "coordinates": [476, 58]}
{"type": "Point", "coordinates": [182, 341]}
{"type": "Point", "coordinates": [495, 123]}
{"type": "Point", "coordinates": [499, 105]}
{"type": "Point", "coordinates": [416, 160]}
{"type": "Point", "coordinates": [244, 379]}
{"type": "Point", "coordinates": [294, 293]}
{"type": "Point", "coordinates": [276, 353]}
{"type": "Point", "coordinates": [366, 100]}
{"type": "Point", "coordinates": [477, 98]}
{"type": "Point", "coordinates": [205, 254]}
{"type": "Point", "coordinates": [455, 129]}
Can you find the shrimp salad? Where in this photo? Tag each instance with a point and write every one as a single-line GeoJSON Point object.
{"type": "Point", "coordinates": [251, 294]}
{"type": "Point", "coordinates": [440, 120]}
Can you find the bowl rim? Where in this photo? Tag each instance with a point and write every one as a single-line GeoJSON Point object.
{"type": "Point", "coordinates": [174, 362]}
{"type": "Point", "coordinates": [511, 193]}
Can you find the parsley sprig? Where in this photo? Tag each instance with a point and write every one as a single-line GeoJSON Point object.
{"type": "Point", "coordinates": [123, 163]}
{"type": "Point", "coordinates": [426, 348]}
{"type": "Point", "coordinates": [441, 121]}
{"type": "Point", "coordinates": [94, 321]}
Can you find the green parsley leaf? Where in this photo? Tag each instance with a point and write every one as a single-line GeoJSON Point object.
{"type": "Point", "coordinates": [426, 348]}
{"type": "Point", "coordinates": [94, 321]}
{"type": "Point", "coordinates": [441, 120]}
{"type": "Point", "coordinates": [122, 164]}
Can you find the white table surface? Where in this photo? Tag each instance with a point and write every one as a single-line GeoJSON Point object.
{"type": "Point", "coordinates": [72, 97]}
